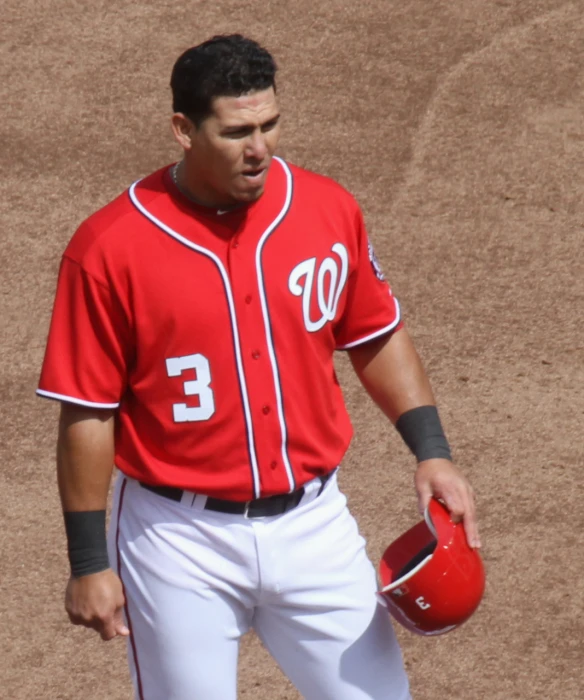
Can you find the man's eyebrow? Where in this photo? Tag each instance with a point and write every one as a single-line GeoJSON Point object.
{"type": "Point", "coordinates": [236, 127]}
{"type": "Point", "coordinates": [242, 127]}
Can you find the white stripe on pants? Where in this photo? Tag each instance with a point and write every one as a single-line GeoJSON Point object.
{"type": "Point", "coordinates": [196, 581]}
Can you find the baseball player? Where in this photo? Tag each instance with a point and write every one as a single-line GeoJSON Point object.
{"type": "Point", "coordinates": [191, 346]}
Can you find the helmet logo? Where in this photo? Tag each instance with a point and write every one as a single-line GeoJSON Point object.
{"type": "Point", "coordinates": [421, 603]}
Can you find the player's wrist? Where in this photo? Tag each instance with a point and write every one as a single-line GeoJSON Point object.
{"type": "Point", "coordinates": [421, 430]}
{"type": "Point", "coordinates": [86, 542]}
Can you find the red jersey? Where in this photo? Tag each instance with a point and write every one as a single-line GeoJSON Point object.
{"type": "Point", "coordinates": [212, 333]}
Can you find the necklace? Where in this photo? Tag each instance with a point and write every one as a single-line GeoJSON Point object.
{"type": "Point", "coordinates": [174, 176]}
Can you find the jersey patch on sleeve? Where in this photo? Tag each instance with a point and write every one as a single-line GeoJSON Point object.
{"type": "Point", "coordinates": [375, 263]}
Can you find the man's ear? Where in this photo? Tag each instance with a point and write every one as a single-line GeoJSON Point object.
{"type": "Point", "coordinates": [183, 130]}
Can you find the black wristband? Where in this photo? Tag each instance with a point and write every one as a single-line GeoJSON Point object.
{"type": "Point", "coordinates": [422, 432]}
{"type": "Point", "coordinates": [86, 542]}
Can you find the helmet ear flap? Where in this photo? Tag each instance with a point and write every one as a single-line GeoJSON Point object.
{"type": "Point", "coordinates": [431, 580]}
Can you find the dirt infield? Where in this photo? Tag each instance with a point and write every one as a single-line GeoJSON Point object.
{"type": "Point", "coordinates": [459, 125]}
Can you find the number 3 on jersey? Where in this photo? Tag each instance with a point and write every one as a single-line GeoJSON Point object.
{"type": "Point", "coordinates": [182, 413]}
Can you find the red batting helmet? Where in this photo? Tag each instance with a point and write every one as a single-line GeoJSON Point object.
{"type": "Point", "coordinates": [431, 579]}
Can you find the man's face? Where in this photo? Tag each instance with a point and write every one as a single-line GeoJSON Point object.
{"type": "Point", "coordinates": [232, 149]}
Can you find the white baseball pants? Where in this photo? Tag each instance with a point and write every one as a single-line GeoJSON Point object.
{"type": "Point", "coordinates": [196, 581]}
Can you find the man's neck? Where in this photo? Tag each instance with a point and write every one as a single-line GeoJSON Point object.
{"type": "Point", "coordinates": [178, 177]}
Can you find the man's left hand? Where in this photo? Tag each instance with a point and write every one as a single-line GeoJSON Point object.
{"type": "Point", "coordinates": [442, 479]}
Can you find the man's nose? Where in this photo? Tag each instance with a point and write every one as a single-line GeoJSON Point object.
{"type": "Point", "coordinates": [256, 146]}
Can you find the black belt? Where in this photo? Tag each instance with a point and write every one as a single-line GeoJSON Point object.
{"type": "Point", "coordinates": [258, 508]}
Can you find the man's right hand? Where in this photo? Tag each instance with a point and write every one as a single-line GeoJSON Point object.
{"type": "Point", "coordinates": [96, 601]}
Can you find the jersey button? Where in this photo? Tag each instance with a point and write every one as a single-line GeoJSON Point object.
{"type": "Point", "coordinates": [255, 354]}
{"type": "Point", "coordinates": [235, 243]}
{"type": "Point", "coordinates": [248, 299]}
{"type": "Point", "coordinates": [274, 464]}
{"type": "Point", "coordinates": [265, 410]}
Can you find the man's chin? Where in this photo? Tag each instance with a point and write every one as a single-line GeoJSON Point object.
{"type": "Point", "coordinates": [249, 195]}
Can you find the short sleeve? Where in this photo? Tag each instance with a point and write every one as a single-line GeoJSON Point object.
{"type": "Point", "coordinates": [371, 310]}
{"type": "Point", "coordinates": [86, 355]}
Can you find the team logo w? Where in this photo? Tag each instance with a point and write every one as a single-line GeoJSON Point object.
{"type": "Point", "coordinates": [330, 281]}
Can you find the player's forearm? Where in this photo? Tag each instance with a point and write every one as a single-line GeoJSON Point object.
{"type": "Point", "coordinates": [392, 373]}
{"type": "Point", "coordinates": [85, 457]}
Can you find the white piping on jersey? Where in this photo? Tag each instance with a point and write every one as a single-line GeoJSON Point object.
{"type": "Point", "coordinates": [73, 399]}
{"type": "Point", "coordinates": [371, 336]}
{"type": "Point", "coordinates": [269, 340]}
{"type": "Point", "coordinates": [229, 294]}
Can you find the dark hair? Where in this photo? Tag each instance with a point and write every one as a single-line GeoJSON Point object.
{"type": "Point", "coordinates": [225, 66]}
